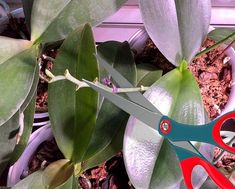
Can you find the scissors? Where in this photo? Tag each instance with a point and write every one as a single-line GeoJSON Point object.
{"type": "Point", "coordinates": [179, 135]}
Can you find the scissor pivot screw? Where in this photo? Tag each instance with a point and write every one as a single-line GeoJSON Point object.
{"type": "Point", "coordinates": [165, 126]}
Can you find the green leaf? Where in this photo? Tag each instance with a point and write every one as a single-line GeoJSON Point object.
{"type": "Point", "coordinates": [219, 34]}
{"type": "Point", "coordinates": [39, 179]}
{"type": "Point", "coordinates": [71, 183]}
{"type": "Point", "coordinates": [33, 90]}
{"type": "Point", "coordinates": [73, 113]}
{"type": "Point", "coordinates": [17, 71]}
{"type": "Point", "coordinates": [35, 181]}
{"type": "Point", "coordinates": [110, 118]}
{"type": "Point", "coordinates": [177, 27]}
{"type": "Point", "coordinates": [57, 173]}
{"type": "Point", "coordinates": [109, 151]}
{"type": "Point", "coordinates": [28, 123]}
{"type": "Point", "coordinates": [28, 109]}
{"type": "Point", "coordinates": [147, 74]}
{"type": "Point", "coordinates": [53, 20]}
{"type": "Point", "coordinates": [8, 133]}
{"type": "Point", "coordinates": [150, 161]}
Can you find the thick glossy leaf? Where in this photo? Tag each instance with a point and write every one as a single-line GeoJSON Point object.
{"type": "Point", "coordinates": [150, 161]}
{"type": "Point", "coordinates": [177, 27]}
{"type": "Point", "coordinates": [110, 118]}
{"type": "Point", "coordinates": [109, 151]}
{"type": "Point", "coordinates": [73, 113]}
{"type": "Point", "coordinates": [17, 71]}
{"type": "Point", "coordinates": [34, 181]}
{"type": "Point", "coordinates": [147, 74]}
{"type": "Point", "coordinates": [144, 77]}
{"type": "Point", "coordinates": [53, 20]}
{"type": "Point", "coordinates": [8, 133]}
{"type": "Point", "coordinates": [33, 90]}
{"type": "Point", "coordinates": [71, 183]}
{"type": "Point", "coordinates": [28, 123]}
{"type": "Point", "coordinates": [57, 173]}
{"type": "Point", "coordinates": [221, 33]}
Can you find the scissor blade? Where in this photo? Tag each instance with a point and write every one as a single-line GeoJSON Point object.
{"type": "Point", "coordinates": [150, 118]}
{"type": "Point", "coordinates": [136, 97]}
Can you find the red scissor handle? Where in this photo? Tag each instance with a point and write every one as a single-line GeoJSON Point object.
{"type": "Point", "coordinates": [216, 132]}
{"type": "Point", "coordinates": [188, 164]}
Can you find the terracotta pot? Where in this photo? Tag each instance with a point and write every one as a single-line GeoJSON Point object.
{"type": "Point", "coordinates": [20, 167]}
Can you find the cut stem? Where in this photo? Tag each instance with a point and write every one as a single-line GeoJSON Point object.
{"type": "Point", "coordinates": [82, 84]}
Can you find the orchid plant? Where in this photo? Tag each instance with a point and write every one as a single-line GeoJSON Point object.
{"type": "Point", "coordinates": [87, 128]}
{"type": "Point", "coordinates": [50, 22]}
{"type": "Point", "coordinates": [179, 29]}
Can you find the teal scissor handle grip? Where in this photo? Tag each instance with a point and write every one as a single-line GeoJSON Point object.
{"type": "Point", "coordinates": [209, 133]}
{"type": "Point", "coordinates": [189, 160]}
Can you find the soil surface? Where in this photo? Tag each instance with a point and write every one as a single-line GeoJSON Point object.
{"type": "Point", "coordinates": [47, 152]}
{"type": "Point", "coordinates": [214, 76]}
{"type": "Point", "coordinates": [42, 90]}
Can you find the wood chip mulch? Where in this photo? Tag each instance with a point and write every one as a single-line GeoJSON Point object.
{"type": "Point", "coordinates": [214, 78]}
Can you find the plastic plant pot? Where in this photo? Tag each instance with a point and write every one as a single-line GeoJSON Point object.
{"type": "Point", "coordinates": [20, 168]}
{"type": "Point", "coordinates": [4, 8]}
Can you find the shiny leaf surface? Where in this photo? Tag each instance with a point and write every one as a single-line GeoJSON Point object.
{"type": "Point", "coordinates": [28, 116]}
{"type": "Point", "coordinates": [57, 173]}
{"type": "Point", "coordinates": [221, 33]}
{"type": "Point", "coordinates": [110, 118]}
{"type": "Point", "coordinates": [147, 74]}
{"type": "Point", "coordinates": [8, 133]}
{"type": "Point", "coordinates": [17, 71]}
{"type": "Point", "coordinates": [74, 123]}
{"type": "Point", "coordinates": [36, 181]}
{"type": "Point", "coordinates": [177, 27]}
{"type": "Point", "coordinates": [150, 161]}
{"type": "Point", "coordinates": [53, 20]}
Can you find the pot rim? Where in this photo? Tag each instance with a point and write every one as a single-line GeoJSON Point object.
{"type": "Point", "coordinates": [36, 138]}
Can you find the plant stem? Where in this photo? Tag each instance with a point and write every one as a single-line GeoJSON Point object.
{"type": "Point", "coordinates": [221, 54]}
{"type": "Point", "coordinates": [82, 84]}
{"type": "Point", "coordinates": [214, 46]}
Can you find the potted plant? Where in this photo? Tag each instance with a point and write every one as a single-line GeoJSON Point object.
{"type": "Point", "coordinates": [77, 141]}
{"type": "Point", "coordinates": [179, 50]}
{"type": "Point", "coordinates": [20, 67]}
